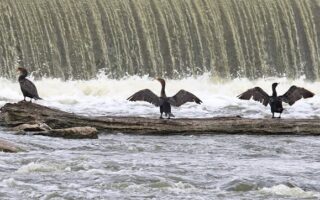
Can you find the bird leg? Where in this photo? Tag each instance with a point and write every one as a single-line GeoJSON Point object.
{"type": "Point", "coordinates": [170, 115]}
{"type": "Point", "coordinates": [161, 116]}
{"type": "Point", "coordinates": [273, 115]}
{"type": "Point", "coordinates": [167, 115]}
{"type": "Point", "coordinates": [280, 115]}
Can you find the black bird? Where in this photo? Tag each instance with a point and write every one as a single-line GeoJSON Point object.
{"type": "Point", "coordinates": [27, 87]}
{"type": "Point", "coordinates": [291, 96]}
{"type": "Point", "coordinates": [163, 101]}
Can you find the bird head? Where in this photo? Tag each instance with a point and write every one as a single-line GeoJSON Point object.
{"type": "Point", "coordinates": [274, 85]}
{"type": "Point", "coordinates": [162, 81]}
{"type": "Point", "coordinates": [22, 70]}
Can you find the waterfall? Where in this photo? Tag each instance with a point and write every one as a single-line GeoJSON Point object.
{"type": "Point", "coordinates": [75, 39]}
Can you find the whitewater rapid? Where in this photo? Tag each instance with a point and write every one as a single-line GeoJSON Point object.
{"type": "Point", "coordinates": [105, 96]}
{"type": "Point", "coordinates": [119, 166]}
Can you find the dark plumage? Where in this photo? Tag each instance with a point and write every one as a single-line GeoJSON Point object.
{"type": "Point", "coordinates": [163, 101]}
{"type": "Point", "coordinates": [27, 87]}
{"type": "Point", "coordinates": [291, 96]}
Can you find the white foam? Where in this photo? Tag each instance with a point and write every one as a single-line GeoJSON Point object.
{"type": "Point", "coordinates": [284, 190]}
{"type": "Point", "coordinates": [96, 171]}
{"type": "Point", "coordinates": [10, 182]}
{"type": "Point", "coordinates": [34, 167]}
{"type": "Point", "coordinates": [104, 96]}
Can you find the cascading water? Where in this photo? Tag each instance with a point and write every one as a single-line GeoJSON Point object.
{"type": "Point", "coordinates": [74, 39]}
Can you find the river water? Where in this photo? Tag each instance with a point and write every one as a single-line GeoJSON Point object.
{"type": "Point", "coordinates": [120, 166]}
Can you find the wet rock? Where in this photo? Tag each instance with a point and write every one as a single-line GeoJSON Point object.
{"type": "Point", "coordinates": [9, 147]}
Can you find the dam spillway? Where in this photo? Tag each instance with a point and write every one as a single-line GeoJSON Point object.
{"type": "Point", "coordinates": [73, 39]}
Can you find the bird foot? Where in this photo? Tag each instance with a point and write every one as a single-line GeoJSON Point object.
{"type": "Point", "coordinates": [160, 117]}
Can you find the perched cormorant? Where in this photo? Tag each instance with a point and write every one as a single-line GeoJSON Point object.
{"type": "Point", "coordinates": [291, 96]}
{"type": "Point", "coordinates": [27, 87]}
{"type": "Point", "coordinates": [163, 101]}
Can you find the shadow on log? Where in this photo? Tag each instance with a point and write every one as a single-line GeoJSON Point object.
{"type": "Point", "coordinates": [30, 113]}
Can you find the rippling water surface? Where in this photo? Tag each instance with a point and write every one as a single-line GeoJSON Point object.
{"type": "Point", "coordinates": [119, 166]}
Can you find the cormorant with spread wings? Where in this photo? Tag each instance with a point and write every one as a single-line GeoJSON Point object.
{"type": "Point", "coordinates": [291, 96]}
{"type": "Point", "coordinates": [163, 101]}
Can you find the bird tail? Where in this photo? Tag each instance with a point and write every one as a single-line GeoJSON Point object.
{"type": "Point", "coordinates": [39, 98]}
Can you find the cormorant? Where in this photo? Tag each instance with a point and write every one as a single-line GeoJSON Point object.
{"type": "Point", "coordinates": [27, 87]}
{"type": "Point", "coordinates": [291, 96]}
{"type": "Point", "coordinates": [163, 101]}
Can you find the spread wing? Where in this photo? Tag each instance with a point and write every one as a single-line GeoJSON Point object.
{"type": "Point", "coordinates": [295, 93]}
{"type": "Point", "coordinates": [145, 95]}
{"type": "Point", "coordinates": [183, 97]}
{"type": "Point", "coordinates": [256, 94]}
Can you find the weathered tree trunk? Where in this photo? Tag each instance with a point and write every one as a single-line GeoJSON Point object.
{"type": "Point", "coordinates": [31, 113]}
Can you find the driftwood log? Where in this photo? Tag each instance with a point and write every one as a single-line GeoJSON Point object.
{"type": "Point", "coordinates": [30, 113]}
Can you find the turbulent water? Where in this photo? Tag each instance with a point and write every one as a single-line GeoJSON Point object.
{"type": "Point", "coordinates": [120, 166]}
{"type": "Point", "coordinates": [232, 38]}
{"type": "Point", "coordinates": [104, 96]}
{"type": "Point", "coordinates": [162, 167]}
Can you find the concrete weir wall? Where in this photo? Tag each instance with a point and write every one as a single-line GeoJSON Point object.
{"type": "Point", "coordinates": [73, 39]}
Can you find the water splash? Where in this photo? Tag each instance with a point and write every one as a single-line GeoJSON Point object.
{"type": "Point", "coordinates": [105, 96]}
{"type": "Point", "coordinates": [283, 190]}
